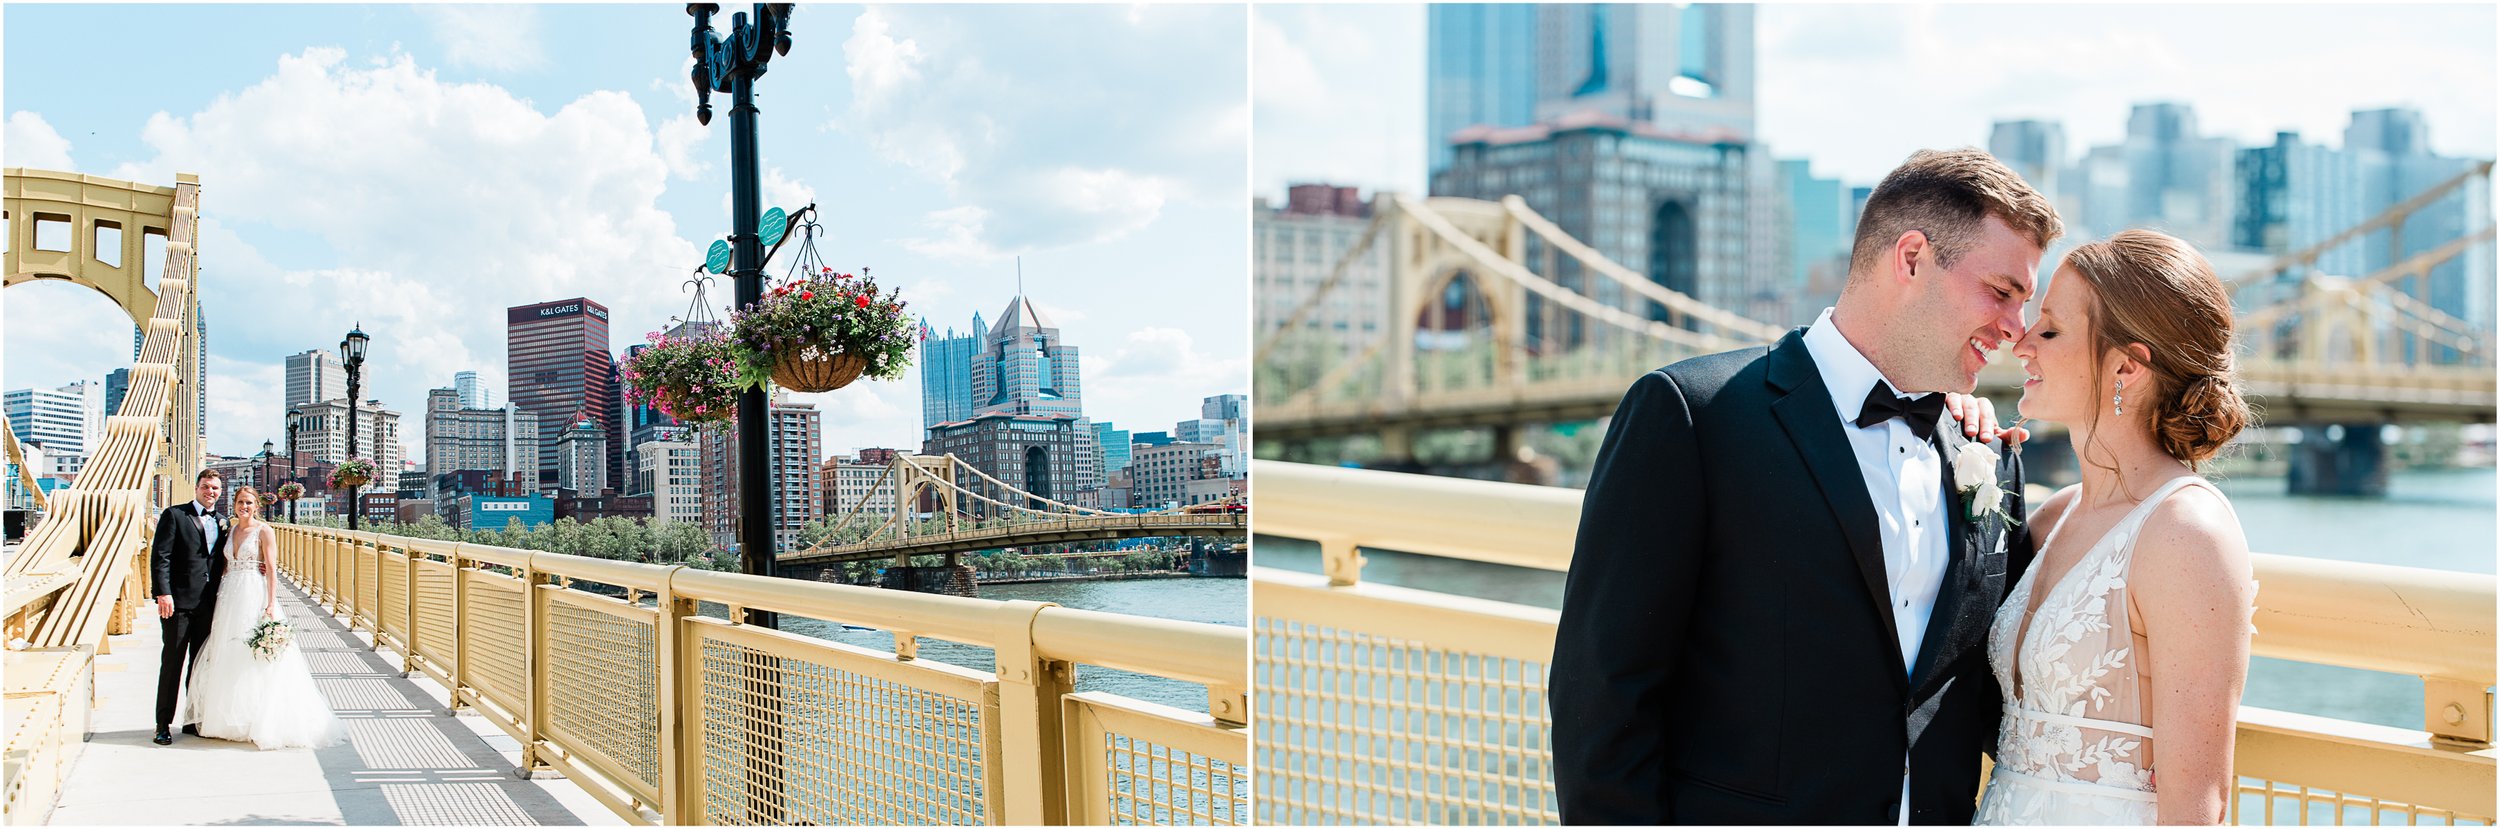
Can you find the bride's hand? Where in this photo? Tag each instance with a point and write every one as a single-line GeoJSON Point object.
{"type": "Point", "coordinates": [1979, 419]}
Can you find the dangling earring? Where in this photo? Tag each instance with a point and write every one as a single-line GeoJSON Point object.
{"type": "Point", "coordinates": [2118, 401]}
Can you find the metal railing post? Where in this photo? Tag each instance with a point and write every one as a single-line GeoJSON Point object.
{"type": "Point", "coordinates": [677, 802]}
{"type": "Point", "coordinates": [534, 663]}
{"type": "Point", "coordinates": [459, 626]}
{"type": "Point", "coordinates": [408, 614]}
{"type": "Point", "coordinates": [1030, 710]}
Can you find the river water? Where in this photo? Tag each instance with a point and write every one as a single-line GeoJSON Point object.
{"type": "Point", "coordinates": [1209, 600]}
{"type": "Point", "coordinates": [2438, 519]}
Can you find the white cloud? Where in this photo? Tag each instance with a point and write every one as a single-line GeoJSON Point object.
{"type": "Point", "coordinates": [1833, 79]}
{"type": "Point", "coordinates": [60, 333]}
{"type": "Point", "coordinates": [869, 413]}
{"type": "Point", "coordinates": [442, 203]}
{"type": "Point", "coordinates": [1104, 125]}
{"type": "Point", "coordinates": [31, 142]}
{"type": "Point", "coordinates": [503, 38]}
{"type": "Point", "coordinates": [240, 416]}
{"type": "Point", "coordinates": [684, 144]}
{"type": "Point", "coordinates": [1158, 376]}
{"type": "Point", "coordinates": [1338, 97]}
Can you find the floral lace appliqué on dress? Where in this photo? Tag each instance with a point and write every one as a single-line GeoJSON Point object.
{"type": "Point", "coordinates": [2072, 743]}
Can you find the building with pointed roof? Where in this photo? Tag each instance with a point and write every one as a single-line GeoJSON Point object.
{"type": "Point", "coordinates": [1024, 367]}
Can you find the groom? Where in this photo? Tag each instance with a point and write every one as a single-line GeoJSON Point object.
{"type": "Point", "coordinates": [1780, 593]}
{"type": "Point", "coordinates": [185, 566]}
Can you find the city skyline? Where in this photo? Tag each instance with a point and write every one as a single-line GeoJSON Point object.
{"type": "Point", "coordinates": [1339, 92]}
{"type": "Point", "coordinates": [921, 133]}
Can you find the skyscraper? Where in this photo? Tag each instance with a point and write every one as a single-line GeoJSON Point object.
{"type": "Point", "coordinates": [1686, 69]}
{"type": "Point", "coordinates": [560, 370]}
{"type": "Point", "coordinates": [1822, 228]}
{"type": "Point", "coordinates": [797, 432]}
{"type": "Point", "coordinates": [1111, 450]}
{"type": "Point", "coordinates": [1641, 145]}
{"type": "Point", "coordinates": [68, 420]}
{"type": "Point", "coordinates": [582, 459]}
{"type": "Point", "coordinates": [472, 394]}
{"type": "Point", "coordinates": [2166, 175]}
{"type": "Point", "coordinates": [2035, 150]}
{"type": "Point", "coordinates": [116, 384]}
{"type": "Point", "coordinates": [1480, 70]}
{"type": "Point", "coordinates": [946, 373]}
{"type": "Point", "coordinates": [1294, 250]}
{"type": "Point", "coordinates": [2295, 195]}
{"type": "Point", "coordinates": [503, 441]}
{"type": "Point", "coordinates": [314, 376]}
{"type": "Point", "coordinates": [1024, 367]}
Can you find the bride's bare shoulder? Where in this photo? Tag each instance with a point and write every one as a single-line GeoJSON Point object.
{"type": "Point", "coordinates": [2191, 547]}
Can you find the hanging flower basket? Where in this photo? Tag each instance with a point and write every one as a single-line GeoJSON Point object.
{"type": "Point", "coordinates": [820, 330]}
{"type": "Point", "coordinates": [692, 378]}
{"type": "Point", "coordinates": [352, 472]}
{"type": "Point", "coordinates": [290, 491]}
{"type": "Point", "coordinates": [812, 369]}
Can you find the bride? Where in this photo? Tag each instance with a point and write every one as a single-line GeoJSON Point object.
{"type": "Point", "coordinates": [2122, 651]}
{"type": "Point", "coordinates": [237, 695]}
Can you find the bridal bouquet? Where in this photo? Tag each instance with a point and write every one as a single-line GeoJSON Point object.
{"type": "Point", "coordinates": [271, 638]}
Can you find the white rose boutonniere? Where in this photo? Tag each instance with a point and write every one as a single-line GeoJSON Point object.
{"type": "Point", "coordinates": [1975, 474]}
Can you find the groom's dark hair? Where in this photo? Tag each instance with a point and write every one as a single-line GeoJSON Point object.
{"type": "Point", "coordinates": [1948, 194]}
{"type": "Point", "coordinates": [206, 474]}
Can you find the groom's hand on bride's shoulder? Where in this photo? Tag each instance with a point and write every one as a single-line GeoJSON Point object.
{"type": "Point", "coordinates": [1978, 417]}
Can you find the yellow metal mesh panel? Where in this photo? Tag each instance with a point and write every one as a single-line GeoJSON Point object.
{"type": "Point", "coordinates": [2270, 803]}
{"type": "Point", "coordinates": [1354, 728]}
{"type": "Point", "coordinates": [366, 588]}
{"type": "Point", "coordinates": [494, 619]}
{"type": "Point", "coordinates": [603, 688]}
{"type": "Point", "coordinates": [434, 622]}
{"type": "Point", "coordinates": [1158, 785]}
{"type": "Point", "coordinates": [394, 599]}
{"type": "Point", "coordinates": [800, 741]}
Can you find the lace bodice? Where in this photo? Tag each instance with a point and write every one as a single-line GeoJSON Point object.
{"type": "Point", "coordinates": [2075, 711]}
{"type": "Point", "coordinates": [245, 551]}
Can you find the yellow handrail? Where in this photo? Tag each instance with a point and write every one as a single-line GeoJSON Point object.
{"type": "Point", "coordinates": [1320, 635]}
{"type": "Point", "coordinates": [671, 717]}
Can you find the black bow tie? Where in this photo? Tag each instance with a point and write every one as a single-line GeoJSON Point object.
{"type": "Point", "coordinates": [1920, 412]}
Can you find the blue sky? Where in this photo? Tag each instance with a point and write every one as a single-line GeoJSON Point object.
{"type": "Point", "coordinates": [1338, 90]}
{"type": "Point", "coordinates": [418, 169]}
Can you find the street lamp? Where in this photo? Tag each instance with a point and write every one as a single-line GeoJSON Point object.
{"type": "Point", "coordinates": [294, 417]}
{"type": "Point", "coordinates": [263, 477]}
{"type": "Point", "coordinates": [731, 65]}
{"type": "Point", "coordinates": [352, 352]}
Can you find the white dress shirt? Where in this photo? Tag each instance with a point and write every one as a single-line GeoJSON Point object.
{"type": "Point", "coordinates": [1905, 479]}
{"type": "Point", "coordinates": [208, 524]}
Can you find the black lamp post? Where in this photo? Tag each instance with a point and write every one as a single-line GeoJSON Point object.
{"type": "Point", "coordinates": [294, 416]}
{"type": "Point", "coordinates": [731, 65]}
{"type": "Point", "coordinates": [352, 352]}
{"type": "Point", "coordinates": [268, 473]}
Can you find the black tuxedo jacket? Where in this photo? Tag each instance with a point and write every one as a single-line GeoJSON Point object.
{"type": "Point", "coordinates": [1727, 651]}
{"type": "Point", "coordinates": [179, 559]}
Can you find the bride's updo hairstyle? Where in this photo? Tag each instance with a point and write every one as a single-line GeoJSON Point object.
{"type": "Point", "coordinates": [2152, 288]}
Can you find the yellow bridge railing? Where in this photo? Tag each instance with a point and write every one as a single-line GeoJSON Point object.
{"type": "Point", "coordinates": [1388, 705]}
{"type": "Point", "coordinates": [671, 716]}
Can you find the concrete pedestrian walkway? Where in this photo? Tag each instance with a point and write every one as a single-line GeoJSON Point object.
{"type": "Point", "coordinates": [408, 760]}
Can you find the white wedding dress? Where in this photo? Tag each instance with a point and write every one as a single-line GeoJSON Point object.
{"type": "Point", "coordinates": [235, 694]}
{"type": "Point", "coordinates": [2075, 746]}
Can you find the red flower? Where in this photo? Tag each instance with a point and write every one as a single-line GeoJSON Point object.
{"type": "Point", "coordinates": [863, 301]}
{"type": "Point", "coordinates": [807, 294]}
